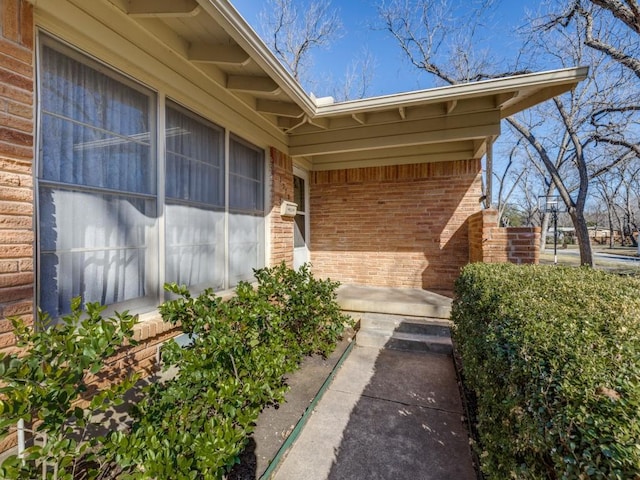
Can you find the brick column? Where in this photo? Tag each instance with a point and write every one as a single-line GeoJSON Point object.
{"type": "Point", "coordinates": [16, 166]}
{"type": "Point", "coordinates": [281, 228]}
{"type": "Point", "coordinates": [490, 243]}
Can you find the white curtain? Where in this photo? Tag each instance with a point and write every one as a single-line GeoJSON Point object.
{"type": "Point", "coordinates": [97, 205]}
{"type": "Point", "coordinates": [246, 211]}
{"type": "Point", "coordinates": [195, 200]}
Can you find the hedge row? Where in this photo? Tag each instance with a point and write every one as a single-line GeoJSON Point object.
{"type": "Point", "coordinates": [553, 355]}
{"type": "Point", "coordinates": [194, 425]}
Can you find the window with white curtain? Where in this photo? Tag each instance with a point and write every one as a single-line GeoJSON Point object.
{"type": "Point", "coordinates": [194, 200]}
{"type": "Point", "coordinates": [101, 214]}
{"type": "Point", "coordinates": [246, 207]}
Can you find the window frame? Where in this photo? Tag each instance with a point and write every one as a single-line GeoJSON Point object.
{"type": "Point", "coordinates": [159, 102]}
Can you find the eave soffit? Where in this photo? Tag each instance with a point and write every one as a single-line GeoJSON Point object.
{"type": "Point", "coordinates": [215, 39]}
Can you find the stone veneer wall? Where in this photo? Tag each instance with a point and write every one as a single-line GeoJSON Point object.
{"type": "Point", "coordinates": [394, 226]}
{"type": "Point", "coordinates": [490, 243]}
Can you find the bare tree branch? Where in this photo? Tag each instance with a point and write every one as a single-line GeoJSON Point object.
{"type": "Point", "coordinates": [628, 11]}
{"type": "Point", "coordinates": [294, 35]}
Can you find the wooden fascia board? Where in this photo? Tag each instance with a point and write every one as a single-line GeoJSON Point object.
{"type": "Point", "coordinates": [567, 78]}
{"type": "Point", "coordinates": [402, 134]}
{"type": "Point", "coordinates": [163, 8]}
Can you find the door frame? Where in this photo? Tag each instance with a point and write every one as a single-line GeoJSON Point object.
{"type": "Point", "coordinates": [304, 252]}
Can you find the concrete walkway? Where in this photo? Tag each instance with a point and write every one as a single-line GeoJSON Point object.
{"type": "Point", "coordinates": [388, 414]}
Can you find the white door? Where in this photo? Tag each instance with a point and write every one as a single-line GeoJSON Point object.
{"type": "Point", "coordinates": [301, 224]}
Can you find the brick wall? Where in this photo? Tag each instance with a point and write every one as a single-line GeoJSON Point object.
{"type": "Point", "coordinates": [399, 226]}
{"type": "Point", "coordinates": [490, 243]}
{"type": "Point", "coordinates": [281, 229]}
{"type": "Point", "coordinates": [16, 166]}
{"type": "Point", "coordinates": [16, 171]}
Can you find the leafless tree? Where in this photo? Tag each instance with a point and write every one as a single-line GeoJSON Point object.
{"type": "Point", "coordinates": [607, 188]}
{"type": "Point", "coordinates": [599, 16]}
{"type": "Point", "coordinates": [295, 30]}
{"type": "Point", "coordinates": [611, 27]}
{"type": "Point", "coordinates": [441, 38]}
{"type": "Point", "coordinates": [358, 77]}
{"type": "Point", "coordinates": [508, 181]}
{"type": "Point", "coordinates": [294, 33]}
{"type": "Point", "coordinates": [561, 134]}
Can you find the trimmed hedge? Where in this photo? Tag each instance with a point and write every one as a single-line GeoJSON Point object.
{"type": "Point", "coordinates": [197, 424]}
{"type": "Point", "coordinates": [553, 355]}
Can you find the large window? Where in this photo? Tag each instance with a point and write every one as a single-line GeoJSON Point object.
{"type": "Point", "coordinates": [246, 204]}
{"type": "Point", "coordinates": [109, 197]}
{"type": "Point", "coordinates": [194, 200]}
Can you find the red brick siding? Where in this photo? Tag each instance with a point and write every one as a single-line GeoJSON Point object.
{"type": "Point", "coordinates": [492, 244]}
{"type": "Point", "coordinates": [399, 226]}
{"type": "Point", "coordinates": [16, 171]}
{"type": "Point", "coordinates": [281, 229]}
{"type": "Point", "coordinates": [16, 166]}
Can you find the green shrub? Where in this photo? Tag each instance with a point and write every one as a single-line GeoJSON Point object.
{"type": "Point", "coordinates": [44, 384]}
{"type": "Point", "coordinates": [553, 355]}
{"type": "Point", "coordinates": [197, 424]}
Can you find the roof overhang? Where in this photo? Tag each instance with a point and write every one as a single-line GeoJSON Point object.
{"type": "Point", "coordinates": [466, 115]}
{"type": "Point", "coordinates": [437, 124]}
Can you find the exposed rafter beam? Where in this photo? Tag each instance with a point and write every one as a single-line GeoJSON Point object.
{"type": "Point", "coordinates": [534, 99]}
{"type": "Point", "coordinates": [252, 84]}
{"type": "Point", "coordinates": [163, 8]}
{"type": "Point", "coordinates": [290, 124]}
{"type": "Point", "coordinates": [361, 118]}
{"type": "Point", "coordinates": [409, 132]}
{"type": "Point", "coordinates": [225, 54]}
{"type": "Point", "coordinates": [479, 147]}
{"type": "Point", "coordinates": [503, 98]}
{"type": "Point", "coordinates": [283, 109]}
{"type": "Point", "coordinates": [322, 123]}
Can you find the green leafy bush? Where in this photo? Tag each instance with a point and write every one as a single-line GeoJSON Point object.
{"type": "Point", "coordinates": [197, 424]}
{"type": "Point", "coordinates": [553, 355]}
{"type": "Point", "coordinates": [46, 383]}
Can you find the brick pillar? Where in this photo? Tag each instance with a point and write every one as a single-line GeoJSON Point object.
{"type": "Point", "coordinates": [16, 166]}
{"type": "Point", "coordinates": [490, 243]}
{"type": "Point", "coordinates": [281, 228]}
{"type": "Point", "coordinates": [524, 244]}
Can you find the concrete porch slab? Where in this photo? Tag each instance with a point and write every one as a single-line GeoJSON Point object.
{"type": "Point", "coordinates": [394, 301]}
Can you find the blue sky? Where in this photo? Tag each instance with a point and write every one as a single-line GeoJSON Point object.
{"type": "Point", "coordinates": [392, 73]}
